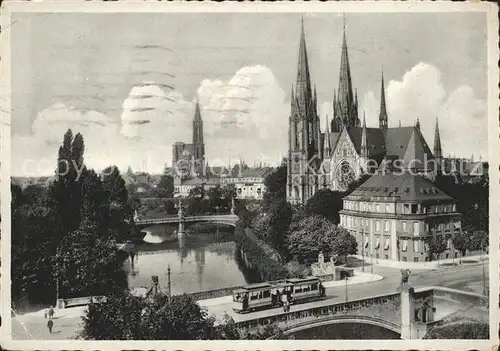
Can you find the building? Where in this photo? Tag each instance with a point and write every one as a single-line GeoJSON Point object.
{"type": "Point", "coordinates": [188, 160]}
{"type": "Point", "coordinates": [392, 214]}
{"type": "Point", "coordinates": [347, 149]}
{"type": "Point", "coordinates": [248, 182]}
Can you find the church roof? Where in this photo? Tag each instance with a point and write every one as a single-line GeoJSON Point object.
{"type": "Point", "coordinates": [334, 138]}
{"type": "Point", "coordinates": [404, 185]}
{"type": "Point", "coordinates": [375, 140]}
{"type": "Point", "coordinates": [407, 144]}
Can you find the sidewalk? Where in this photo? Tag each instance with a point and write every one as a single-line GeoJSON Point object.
{"type": "Point", "coordinates": [467, 260]}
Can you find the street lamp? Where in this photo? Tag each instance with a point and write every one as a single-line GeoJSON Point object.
{"type": "Point", "coordinates": [346, 297]}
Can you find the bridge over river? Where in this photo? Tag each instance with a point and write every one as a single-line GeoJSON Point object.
{"type": "Point", "coordinates": [409, 313]}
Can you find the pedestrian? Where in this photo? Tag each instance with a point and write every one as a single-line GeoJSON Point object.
{"type": "Point", "coordinates": [45, 314]}
{"type": "Point", "coordinates": [50, 324]}
{"type": "Point", "coordinates": [51, 312]}
{"type": "Point", "coordinates": [288, 306]}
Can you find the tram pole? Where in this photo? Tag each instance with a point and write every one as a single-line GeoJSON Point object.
{"type": "Point", "coordinates": [362, 246]}
{"type": "Point", "coordinates": [346, 297]}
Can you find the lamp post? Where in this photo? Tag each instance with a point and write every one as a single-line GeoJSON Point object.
{"type": "Point", "coordinates": [169, 285]}
{"type": "Point", "coordinates": [362, 247]}
{"type": "Point", "coordinates": [346, 296]}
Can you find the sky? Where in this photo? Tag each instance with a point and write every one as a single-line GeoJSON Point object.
{"type": "Point", "coordinates": [128, 82]}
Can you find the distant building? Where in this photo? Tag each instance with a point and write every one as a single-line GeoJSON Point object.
{"type": "Point", "coordinates": [248, 182]}
{"type": "Point", "coordinates": [188, 160]}
{"type": "Point", "coordinates": [391, 214]}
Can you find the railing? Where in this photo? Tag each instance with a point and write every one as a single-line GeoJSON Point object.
{"type": "Point", "coordinates": [229, 217]}
{"type": "Point", "coordinates": [79, 301]}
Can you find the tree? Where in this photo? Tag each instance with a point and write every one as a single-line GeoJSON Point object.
{"type": "Point", "coordinates": [309, 236]}
{"type": "Point", "coordinates": [87, 264]}
{"type": "Point", "coordinates": [166, 184]}
{"type": "Point", "coordinates": [437, 245]}
{"type": "Point", "coordinates": [479, 240]}
{"type": "Point", "coordinates": [326, 203]}
{"type": "Point", "coordinates": [275, 183]}
{"type": "Point", "coordinates": [279, 222]}
{"type": "Point", "coordinates": [344, 244]}
{"type": "Point", "coordinates": [461, 243]}
{"type": "Point", "coordinates": [466, 329]}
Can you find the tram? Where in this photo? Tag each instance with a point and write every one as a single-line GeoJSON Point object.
{"type": "Point", "coordinates": [266, 295]}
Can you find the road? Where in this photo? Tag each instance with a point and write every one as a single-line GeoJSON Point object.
{"type": "Point", "coordinates": [464, 277]}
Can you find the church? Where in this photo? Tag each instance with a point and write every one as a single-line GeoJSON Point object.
{"type": "Point", "coordinates": [347, 149]}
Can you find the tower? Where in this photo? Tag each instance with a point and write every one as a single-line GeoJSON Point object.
{"type": "Point", "coordinates": [438, 154]}
{"type": "Point", "coordinates": [345, 109]}
{"type": "Point", "coordinates": [382, 117]}
{"type": "Point", "coordinates": [303, 131]}
{"type": "Point", "coordinates": [418, 124]}
{"type": "Point", "coordinates": [198, 144]}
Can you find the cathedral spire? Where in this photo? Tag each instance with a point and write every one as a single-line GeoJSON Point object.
{"type": "Point", "coordinates": [437, 142]}
{"type": "Point", "coordinates": [303, 86]}
{"type": "Point", "coordinates": [327, 148]}
{"type": "Point", "coordinates": [382, 118]}
{"type": "Point", "coordinates": [197, 125]}
{"type": "Point", "coordinates": [364, 141]}
{"type": "Point", "coordinates": [346, 106]}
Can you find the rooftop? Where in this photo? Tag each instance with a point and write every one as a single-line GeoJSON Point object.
{"type": "Point", "coordinates": [406, 186]}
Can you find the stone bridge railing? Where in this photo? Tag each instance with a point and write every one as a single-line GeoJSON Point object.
{"type": "Point", "coordinates": [229, 219]}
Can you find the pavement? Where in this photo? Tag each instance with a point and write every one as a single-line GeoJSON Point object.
{"type": "Point", "coordinates": [464, 277]}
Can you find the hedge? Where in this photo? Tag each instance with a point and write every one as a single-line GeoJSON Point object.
{"type": "Point", "coordinates": [259, 254]}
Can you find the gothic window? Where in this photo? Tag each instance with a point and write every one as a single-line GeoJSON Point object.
{"type": "Point", "coordinates": [344, 175]}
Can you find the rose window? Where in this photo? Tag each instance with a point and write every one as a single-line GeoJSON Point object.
{"type": "Point", "coordinates": [344, 175]}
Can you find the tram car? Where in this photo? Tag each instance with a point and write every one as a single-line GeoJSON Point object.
{"type": "Point", "coordinates": [266, 295]}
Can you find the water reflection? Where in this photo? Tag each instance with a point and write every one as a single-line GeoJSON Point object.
{"type": "Point", "coordinates": [198, 261]}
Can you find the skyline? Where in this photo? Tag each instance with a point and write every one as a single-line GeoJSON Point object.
{"type": "Point", "coordinates": [244, 94]}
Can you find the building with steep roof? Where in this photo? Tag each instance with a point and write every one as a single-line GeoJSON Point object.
{"type": "Point", "coordinates": [346, 149]}
{"type": "Point", "coordinates": [393, 213]}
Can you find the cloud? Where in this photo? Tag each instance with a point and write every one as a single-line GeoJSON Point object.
{"type": "Point", "coordinates": [420, 94]}
{"type": "Point", "coordinates": [244, 117]}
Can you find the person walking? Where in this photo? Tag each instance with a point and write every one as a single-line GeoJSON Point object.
{"type": "Point", "coordinates": [50, 325]}
{"type": "Point", "coordinates": [51, 312]}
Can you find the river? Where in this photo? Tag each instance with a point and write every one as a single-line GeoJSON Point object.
{"type": "Point", "coordinates": [202, 260]}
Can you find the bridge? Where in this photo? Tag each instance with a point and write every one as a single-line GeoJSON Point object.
{"type": "Point", "coordinates": [227, 219]}
{"type": "Point", "coordinates": [409, 313]}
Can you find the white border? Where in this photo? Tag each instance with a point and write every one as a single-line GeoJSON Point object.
{"type": "Point", "coordinates": [290, 7]}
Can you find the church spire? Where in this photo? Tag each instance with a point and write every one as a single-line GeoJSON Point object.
{"type": "Point", "coordinates": [364, 141]}
{"type": "Point", "coordinates": [346, 112]}
{"type": "Point", "coordinates": [382, 118]}
{"type": "Point", "coordinates": [327, 147]}
{"type": "Point", "coordinates": [197, 125]}
{"type": "Point", "coordinates": [303, 90]}
{"type": "Point", "coordinates": [437, 142]}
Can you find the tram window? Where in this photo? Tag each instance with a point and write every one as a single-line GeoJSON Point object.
{"type": "Point", "coordinates": [254, 296]}
{"type": "Point", "coordinates": [298, 290]}
{"type": "Point", "coordinates": [314, 287]}
{"type": "Point", "coordinates": [306, 288]}
{"type": "Point", "coordinates": [266, 293]}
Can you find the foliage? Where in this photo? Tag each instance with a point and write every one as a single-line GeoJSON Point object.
{"type": "Point", "coordinates": [461, 242]}
{"type": "Point", "coordinates": [344, 243]}
{"type": "Point", "coordinates": [166, 184]}
{"type": "Point", "coordinates": [275, 183]}
{"type": "Point", "coordinates": [460, 330]}
{"type": "Point", "coordinates": [437, 245]}
{"type": "Point", "coordinates": [280, 218]}
{"type": "Point", "coordinates": [259, 254]}
{"type": "Point", "coordinates": [87, 263]}
{"type": "Point", "coordinates": [309, 236]}
{"type": "Point", "coordinates": [126, 317]}
{"type": "Point", "coordinates": [479, 240]}
{"type": "Point", "coordinates": [326, 203]}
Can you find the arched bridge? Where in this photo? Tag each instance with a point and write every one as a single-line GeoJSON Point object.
{"type": "Point", "coordinates": [227, 219]}
{"type": "Point", "coordinates": [329, 320]}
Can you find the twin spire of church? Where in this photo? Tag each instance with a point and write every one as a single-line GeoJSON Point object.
{"type": "Point", "coordinates": [382, 118]}
{"type": "Point", "coordinates": [345, 103]}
